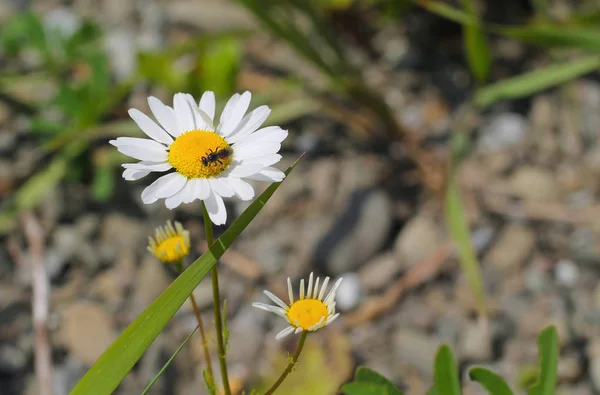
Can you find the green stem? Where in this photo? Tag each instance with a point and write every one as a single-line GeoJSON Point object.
{"type": "Point", "coordinates": [217, 305]}
{"type": "Point", "coordinates": [211, 376]}
{"type": "Point", "coordinates": [290, 366]}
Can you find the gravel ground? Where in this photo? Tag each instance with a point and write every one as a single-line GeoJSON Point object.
{"type": "Point", "coordinates": [530, 187]}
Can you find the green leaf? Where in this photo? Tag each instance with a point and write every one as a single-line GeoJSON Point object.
{"type": "Point", "coordinates": [448, 12]}
{"type": "Point", "coordinates": [366, 375]}
{"type": "Point", "coordinates": [458, 227]}
{"type": "Point", "coordinates": [476, 46]}
{"type": "Point", "coordinates": [121, 356]}
{"type": "Point", "coordinates": [556, 35]}
{"type": "Point", "coordinates": [166, 365]}
{"type": "Point", "coordinates": [220, 65]}
{"type": "Point", "coordinates": [548, 344]}
{"type": "Point", "coordinates": [493, 383]}
{"type": "Point", "coordinates": [432, 391]}
{"type": "Point", "coordinates": [103, 183]}
{"type": "Point", "coordinates": [446, 372]}
{"type": "Point", "coordinates": [535, 81]}
{"type": "Point", "coordinates": [359, 388]}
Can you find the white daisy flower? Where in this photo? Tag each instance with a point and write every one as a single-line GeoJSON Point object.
{"type": "Point", "coordinates": [310, 312]}
{"type": "Point", "coordinates": [210, 163]}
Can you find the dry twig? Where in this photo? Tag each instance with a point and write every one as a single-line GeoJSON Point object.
{"type": "Point", "coordinates": [40, 284]}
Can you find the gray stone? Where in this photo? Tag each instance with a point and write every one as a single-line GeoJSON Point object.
{"type": "Point", "coordinates": [567, 273]}
{"type": "Point", "coordinates": [358, 233]}
{"type": "Point", "coordinates": [417, 350]}
{"type": "Point", "coordinates": [379, 271]}
{"type": "Point", "coordinates": [418, 239]}
{"type": "Point", "coordinates": [475, 341]}
{"type": "Point", "coordinates": [512, 248]}
{"type": "Point", "coordinates": [534, 184]}
{"type": "Point", "coordinates": [503, 131]}
{"type": "Point", "coordinates": [349, 293]}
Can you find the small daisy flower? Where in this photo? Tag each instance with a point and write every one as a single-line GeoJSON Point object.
{"type": "Point", "coordinates": [170, 244]}
{"type": "Point", "coordinates": [310, 312]}
{"type": "Point", "coordinates": [209, 162]}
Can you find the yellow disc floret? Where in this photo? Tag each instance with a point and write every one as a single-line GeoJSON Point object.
{"type": "Point", "coordinates": [170, 244]}
{"type": "Point", "coordinates": [306, 313]}
{"type": "Point", "coordinates": [188, 150]}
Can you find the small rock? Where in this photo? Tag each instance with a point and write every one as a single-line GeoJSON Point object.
{"type": "Point", "coordinates": [358, 233]}
{"type": "Point", "coordinates": [419, 238]}
{"type": "Point", "coordinates": [247, 337]}
{"type": "Point", "coordinates": [379, 271]}
{"type": "Point", "coordinates": [475, 341]}
{"type": "Point", "coordinates": [512, 248]}
{"type": "Point", "coordinates": [151, 282]}
{"type": "Point", "coordinates": [87, 331]}
{"type": "Point", "coordinates": [503, 131]}
{"type": "Point", "coordinates": [416, 349]}
{"type": "Point", "coordinates": [567, 273]}
{"type": "Point", "coordinates": [535, 184]}
{"type": "Point", "coordinates": [569, 367]}
{"type": "Point", "coordinates": [12, 359]}
{"type": "Point", "coordinates": [349, 292]}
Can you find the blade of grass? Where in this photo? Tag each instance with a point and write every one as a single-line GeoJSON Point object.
{"type": "Point", "coordinates": [548, 349]}
{"type": "Point", "coordinates": [489, 380]}
{"type": "Point", "coordinates": [556, 35]}
{"type": "Point", "coordinates": [446, 372]}
{"type": "Point", "coordinates": [166, 365]}
{"type": "Point", "coordinates": [458, 227]}
{"type": "Point", "coordinates": [476, 45]}
{"type": "Point", "coordinates": [534, 81]}
{"type": "Point", "coordinates": [119, 358]}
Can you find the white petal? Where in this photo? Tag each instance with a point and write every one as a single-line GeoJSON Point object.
{"type": "Point", "coordinates": [183, 111]}
{"type": "Point", "coordinates": [272, 134]}
{"type": "Point", "coordinates": [323, 287]}
{"type": "Point", "coordinates": [242, 189]}
{"type": "Point", "coordinates": [150, 127]}
{"type": "Point", "coordinates": [175, 200]}
{"type": "Point", "coordinates": [165, 116]}
{"type": "Point", "coordinates": [284, 332]}
{"type": "Point", "coordinates": [142, 153]}
{"type": "Point", "coordinates": [233, 113]}
{"type": "Point", "coordinates": [150, 166]}
{"type": "Point", "coordinates": [134, 174]}
{"type": "Point", "coordinates": [201, 120]}
{"type": "Point", "coordinates": [275, 299]}
{"type": "Point", "coordinates": [138, 143]}
{"type": "Point", "coordinates": [273, 309]}
{"type": "Point", "coordinates": [202, 188]}
{"type": "Point", "coordinates": [310, 285]}
{"type": "Point", "coordinates": [298, 330]}
{"type": "Point", "coordinates": [266, 160]}
{"type": "Point", "coordinates": [220, 187]}
{"type": "Point", "coordinates": [207, 104]}
{"type": "Point", "coordinates": [240, 170]}
{"type": "Point", "coordinates": [333, 289]}
{"type": "Point", "coordinates": [164, 187]}
{"type": "Point", "coordinates": [216, 208]}
{"type": "Point", "coordinates": [268, 174]}
{"type": "Point", "coordinates": [189, 192]}
{"type": "Point", "coordinates": [301, 290]}
{"type": "Point", "coordinates": [255, 149]}
{"type": "Point", "coordinates": [331, 319]}
{"type": "Point", "coordinates": [290, 291]}
{"type": "Point", "coordinates": [316, 289]}
{"type": "Point", "coordinates": [249, 123]}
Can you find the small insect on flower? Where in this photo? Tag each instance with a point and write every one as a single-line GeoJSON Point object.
{"type": "Point", "coordinates": [170, 244]}
{"type": "Point", "coordinates": [310, 312]}
{"type": "Point", "coordinates": [216, 156]}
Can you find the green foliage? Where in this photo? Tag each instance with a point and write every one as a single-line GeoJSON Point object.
{"type": "Point", "coordinates": [445, 378]}
{"type": "Point", "coordinates": [493, 383]}
{"type": "Point", "coordinates": [535, 81]}
{"type": "Point", "coordinates": [476, 46]}
{"type": "Point", "coordinates": [369, 382]}
{"type": "Point", "coordinates": [548, 345]}
{"type": "Point", "coordinates": [121, 356]}
{"type": "Point", "coordinates": [220, 65]}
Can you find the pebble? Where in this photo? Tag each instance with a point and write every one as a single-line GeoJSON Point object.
{"type": "Point", "coordinates": [379, 271]}
{"type": "Point", "coordinates": [151, 281]}
{"type": "Point", "coordinates": [567, 273]}
{"type": "Point", "coordinates": [534, 184]}
{"type": "Point", "coordinates": [357, 234]}
{"type": "Point", "coordinates": [12, 359]}
{"type": "Point", "coordinates": [87, 330]}
{"type": "Point", "coordinates": [349, 293]}
{"type": "Point", "coordinates": [419, 238]}
{"type": "Point", "coordinates": [514, 245]}
{"type": "Point", "coordinates": [475, 341]}
{"type": "Point", "coordinates": [503, 131]}
{"type": "Point", "coordinates": [416, 349]}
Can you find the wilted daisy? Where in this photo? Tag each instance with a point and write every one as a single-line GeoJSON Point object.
{"type": "Point", "coordinates": [310, 312]}
{"type": "Point", "coordinates": [170, 244]}
{"type": "Point", "coordinates": [209, 162]}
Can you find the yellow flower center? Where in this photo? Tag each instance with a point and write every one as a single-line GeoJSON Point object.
{"type": "Point", "coordinates": [172, 249]}
{"type": "Point", "coordinates": [306, 313]}
{"type": "Point", "coordinates": [200, 154]}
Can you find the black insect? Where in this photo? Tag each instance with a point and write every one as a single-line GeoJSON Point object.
{"type": "Point", "coordinates": [216, 156]}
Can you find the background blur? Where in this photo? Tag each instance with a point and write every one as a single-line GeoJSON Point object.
{"type": "Point", "coordinates": [421, 120]}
